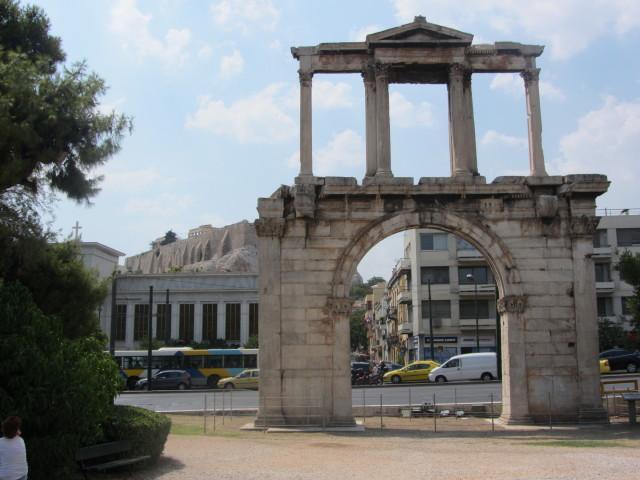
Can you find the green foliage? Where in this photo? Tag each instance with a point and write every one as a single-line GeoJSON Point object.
{"type": "Point", "coordinates": [155, 343]}
{"type": "Point", "coordinates": [63, 389]}
{"type": "Point", "coordinates": [359, 340]}
{"type": "Point", "coordinates": [146, 430]}
{"type": "Point", "coordinates": [360, 291]}
{"type": "Point", "coordinates": [610, 334]}
{"type": "Point", "coordinates": [51, 130]}
{"type": "Point", "coordinates": [252, 342]}
{"type": "Point", "coordinates": [169, 237]}
{"type": "Point", "coordinates": [629, 267]}
{"type": "Point", "coordinates": [217, 343]}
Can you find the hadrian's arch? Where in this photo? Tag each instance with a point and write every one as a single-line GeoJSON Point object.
{"type": "Point", "coordinates": [535, 232]}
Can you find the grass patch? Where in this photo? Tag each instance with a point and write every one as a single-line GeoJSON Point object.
{"type": "Point", "coordinates": [578, 443]}
{"type": "Point", "coordinates": [186, 429]}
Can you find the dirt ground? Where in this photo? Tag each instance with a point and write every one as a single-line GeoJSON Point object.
{"type": "Point", "coordinates": [407, 448]}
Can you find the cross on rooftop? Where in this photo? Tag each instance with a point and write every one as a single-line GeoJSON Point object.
{"type": "Point", "coordinates": [76, 229]}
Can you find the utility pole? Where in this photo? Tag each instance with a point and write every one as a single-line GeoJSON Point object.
{"type": "Point", "coordinates": [114, 316]}
{"type": "Point", "coordinates": [167, 319]}
{"type": "Point", "coordinates": [149, 335]}
{"type": "Point", "coordinates": [431, 341]}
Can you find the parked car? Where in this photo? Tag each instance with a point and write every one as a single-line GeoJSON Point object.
{"type": "Point", "coordinates": [247, 379]}
{"type": "Point", "coordinates": [392, 366]}
{"type": "Point", "coordinates": [166, 379]}
{"type": "Point", "coordinates": [620, 359]}
{"type": "Point", "coordinates": [361, 367]}
{"type": "Point", "coordinates": [469, 366]}
{"type": "Point", "coordinates": [414, 372]}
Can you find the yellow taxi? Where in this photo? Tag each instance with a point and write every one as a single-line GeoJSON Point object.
{"type": "Point", "coordinates": [604, 366]}
{"type": "Point", "coordinates": [414, 372]}
{"type": "Point", "coordinates": [247, 379]}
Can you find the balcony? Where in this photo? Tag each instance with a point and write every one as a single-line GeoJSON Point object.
{"type": "Point", "coordinates": [405, 328]}
{"type": "Point", "coordinates": [605, 287]}
{"type": "Point", "coordinates": [602, 252]}
{"type": "Point", "coordinates": [468, 254]}
{"type": "Point", "coordinates": [483, 323]}
{"type": "Point", "coordinates": [468, 290]}
{"type": "Point", "coordinates": [404, 264]}
{"type": "Point", "coordinates": [404, 296]}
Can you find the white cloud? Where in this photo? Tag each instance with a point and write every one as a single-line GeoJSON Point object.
{"type": "Point", "coordinates": [259, 118]}
{"type": "Point", "coordinates": [205, 51]}
{"type": "Point", "coordinates": [360, 34]}
{"type": "Point", "coordinates": [231, 65]}
{"type": "Point", "coordinates": [606, 141]}
{"type": "Point", "coordinates": [329, 95]}
{"type": "Point", "coordinates": [345, 150]}
{"type": "Point", "coordinates": [132, 27]}
{"type": "Point", "coordinates": [166, 205]}
{"type": "Point", "coordinates": [120, 180]}
{"type": "Point", "coordinates": [491, 137]}
{"type": "Point", "coordinates": [513, 85]}
{"type": "Point", "coordinates": [245, 14]}
{"type": "Point", "coordinates": [568, 26]}
{"type": "Point", "coordinates": [405, 114]}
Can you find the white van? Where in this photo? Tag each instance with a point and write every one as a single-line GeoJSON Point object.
{"type": "Point", "coordinates": [469, 366]}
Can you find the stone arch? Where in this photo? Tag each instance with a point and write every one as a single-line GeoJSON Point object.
{"type": "Point", "coordinates": [482, 237]}
{"type": "Point", "coordinates": [207, 250]}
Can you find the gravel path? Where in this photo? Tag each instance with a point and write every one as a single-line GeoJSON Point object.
{"type": "Point", "coordinates": [402, 449]}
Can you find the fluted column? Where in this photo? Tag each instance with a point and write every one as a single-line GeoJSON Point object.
{"type": "Point", "coordinates": [534, 121]}
{"type": "Point", "coordinates": [383, 127]}
{"type": "Point", "coordinates": [306, 169]}
{"type": "Point", "coordinates": [461, 128]}
{"type": "Point", "coordinates": [371, 124]}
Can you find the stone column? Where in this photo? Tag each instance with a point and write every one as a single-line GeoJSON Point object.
{"type": "Point", "coordinates": [197, 322]}
{"type": "Point", "coordinates": [175, 320]}
{"type": "Point", "coordinates": [128, 338]}
{"type": "Point", "coordinates": [584, 298]}
{"type": "Point", "coordinates": [383, 127]}
{"type": "Point", "coordinates": [341, 410]}
{"type": "Point", "coordinates": [515, 389]}
{"type": "Point", "coordinates": [306, 169]}
{"type": "Point", "coordinates": [462, 156]}
{"type": "Point", "coordinates": [270, 232]}
{"type": "Point", "coordinates": [371, 123]}
{"type": "Point", "coordinates": [470, 126]}
{"type": "Point", "coordinates": [244, 322]}
{"type": "Point", "coordinates": [534, 121]}
{"type": "Point", "coordinates": [221, 321]}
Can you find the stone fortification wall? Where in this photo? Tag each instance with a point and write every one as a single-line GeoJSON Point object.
{"type": "Point", "coordinates": [232, 248]}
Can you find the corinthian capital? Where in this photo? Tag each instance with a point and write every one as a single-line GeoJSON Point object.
{"type": "Point", "coordinates": [382, 70]}
{"type": "Point", "coordinates": [458, 71]}
{"type": "Point", "coordinates": [512, 304]}
{"type": "Point", "coordinates": [305, 78]}
{"type": "Point", "coordinates": [339, 306]}
{"type": "Point", "coordinates": [530, 75]}
{"type": "Point", "coordinates": [368, 74]}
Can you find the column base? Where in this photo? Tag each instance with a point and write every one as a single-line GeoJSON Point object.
{"type": "Point", "coordinates": [378, 180]}
{"type": "Point", "coordinates": [507, 419]}
{"type": "Point", "coordinates": [309, 180]}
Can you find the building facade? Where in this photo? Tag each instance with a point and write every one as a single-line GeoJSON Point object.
{"type": "Point", "coordinates": [186, 308]}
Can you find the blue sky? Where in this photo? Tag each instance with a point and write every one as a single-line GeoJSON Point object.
{"type": "Point", "coordinates": [213, 91]}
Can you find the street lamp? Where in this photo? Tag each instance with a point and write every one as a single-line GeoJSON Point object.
{"type": "Point", "coordinates": [475, 300]}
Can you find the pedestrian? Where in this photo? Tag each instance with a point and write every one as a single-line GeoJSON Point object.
{"type": "Point", "coordinates": [13, 453]}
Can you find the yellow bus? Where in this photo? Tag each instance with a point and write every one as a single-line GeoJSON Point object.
{"type": "Point", "coordinates": [206, 366]}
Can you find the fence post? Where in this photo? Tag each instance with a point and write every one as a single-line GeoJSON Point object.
{"type": "Point", "coordinates": [364, 407]}
{"type": "Point", "coordinates": [410, 406]}
{"type": "Point", "coordinates": [214, 412]}
{"type": "Point", "coordinates": [435, 415]}
{"type": "Point", "coordinates": [549, 409]}
{"type": "Point", "coordinates": [493, 428]}
{"type": "Point", "coordinates": [380, 411]}
{"type": "Point", "coordinates": [223, 404]}
{"type": "Point", "coordinates": [231, 402]}
{"type": "Point", "coordinates": [204, 413]}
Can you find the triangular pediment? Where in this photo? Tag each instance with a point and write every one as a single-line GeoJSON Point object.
{"type": "Point", "coordinates": [420, 32]}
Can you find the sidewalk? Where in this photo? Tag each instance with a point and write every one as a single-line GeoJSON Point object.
{"type": "Point", "coordinates": [404, 448]}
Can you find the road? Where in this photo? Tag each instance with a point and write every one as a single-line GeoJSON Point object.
{"type": "Point", "coordinates": [460, 392]}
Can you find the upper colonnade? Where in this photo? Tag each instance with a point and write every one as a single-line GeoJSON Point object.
{"type": "Point", "coordinates": [419, 52]}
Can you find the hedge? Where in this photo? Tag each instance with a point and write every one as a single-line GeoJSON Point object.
{"type": "Point", "coordinates": [146, 430]}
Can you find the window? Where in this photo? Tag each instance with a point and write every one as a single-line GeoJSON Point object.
{"type": "Point", "coordinates": [233, 361]}
{"type": "Point", "coordinates": [253, 319]}
{"type": "Point", "coordinates": [464, 245]}
{"type": "Point", "coordinates": [250, 361]}
{"type": "Point", "coordinates": [186, 322]}
{"type": "Point", "coordinates": [626, 306]}
{"type": "Point", "coordinates": [233, 322]}
{"type": "Point", "coordinates": [600, 239]}
{"type": "Point", "coordinates": [482, 275]}
{"type": "Point", "coordinates": [452, 363]}
{"type": "Point", "coordinates": [628, 236]}
{"type": "Point", "coordinates": [433, 241]}
{"type": "Point", "coordinates": [439, 309]}
{"type": "Point", "coordinates": [437, 275]}
{"type": "Point", "coordinates": [163, 324]}
{"type": "Point", "coordinates": [209, 322]}
{"type": "Point", "coordinates": [468, 309]}
{"type": "Point", "coordinates": [121, 323]}
{"type": "Point", "coordinates": [213, 361]}
{"type": "Point", "coordinates": [603, 272]}
{"type": "Point", "coordinates": [140, 321]}
{"type": "Point", "coordinates": [605, 307]}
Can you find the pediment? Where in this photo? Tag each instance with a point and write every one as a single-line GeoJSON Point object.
{"type": "Point", "coordinates": [420, 32]}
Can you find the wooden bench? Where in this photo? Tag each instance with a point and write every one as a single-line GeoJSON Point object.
{"type": "Point", "coordinates": [89, 458]}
